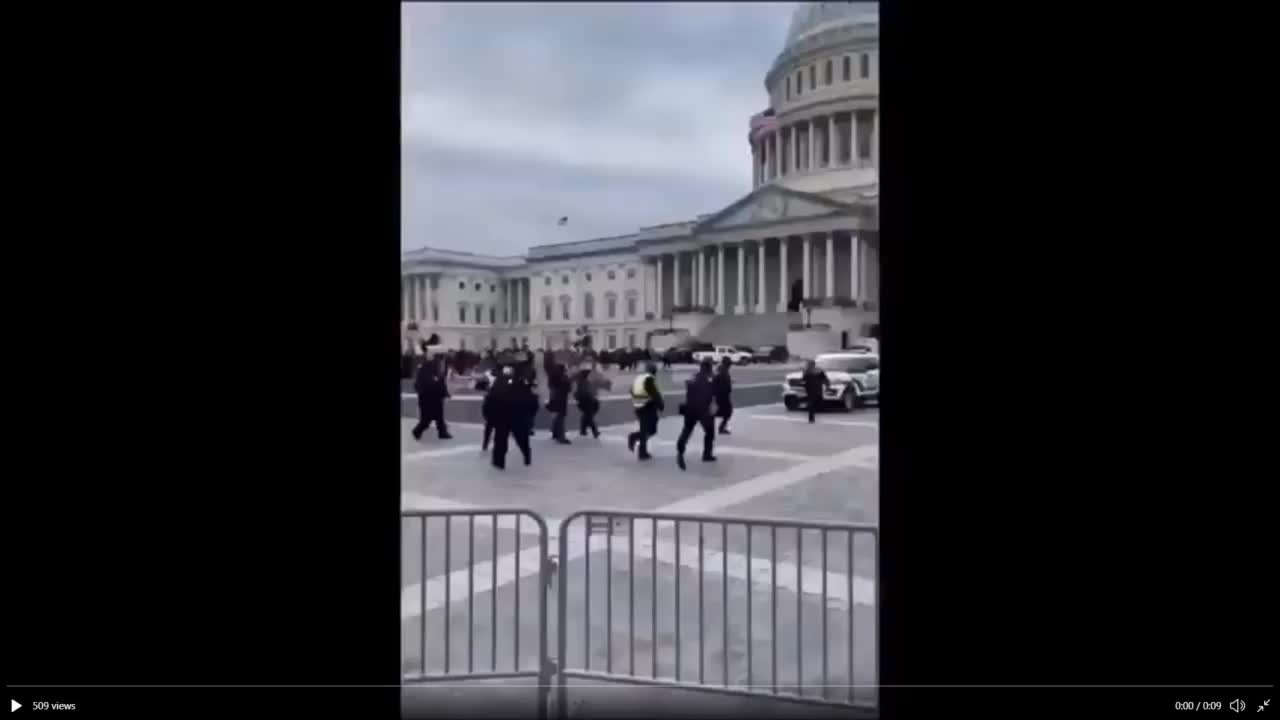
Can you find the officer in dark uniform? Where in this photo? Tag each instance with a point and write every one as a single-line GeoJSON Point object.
{"type": "Point", "coordinates": [559, 386]}
{"type": "Point", "coordinates": [723, 388]}
{"type": "Point", "coordinates": [432, 390]}
{"type": "Point", "coordinates": [815, 382]}
{"type": "Point", "coordinates": [647, 401]}
{"type": "Point", "coordinates": [696, 409]}
{"type": "Point", "coordinates": [490, 406]}
{"type": "Point", "coordinates": [511, 415]}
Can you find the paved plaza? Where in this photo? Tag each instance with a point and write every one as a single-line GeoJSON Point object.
{"type": "Point", "coordinates": [724, 602]}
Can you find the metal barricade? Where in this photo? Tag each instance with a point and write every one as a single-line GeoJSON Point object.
{"type": "Point", "coordinates": [653, 537]}
{"type": "Point", "coordinates": [437, 592]}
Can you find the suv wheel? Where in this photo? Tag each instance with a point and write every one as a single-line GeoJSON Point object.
{"type": "Point", "coordinates": [849, 401]}
{"type": "Point", "coordinates": [791, 402]}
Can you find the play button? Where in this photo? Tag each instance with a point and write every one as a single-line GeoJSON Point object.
{"type": "Point", "coordinates": [15, 705]}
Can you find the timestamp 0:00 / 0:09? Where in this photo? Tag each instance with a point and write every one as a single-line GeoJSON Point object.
{"type": "Point", "coordinates": [1195, 705]}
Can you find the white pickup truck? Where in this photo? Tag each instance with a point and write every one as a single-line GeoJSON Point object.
{"type": "Point", "coordinates": [717, 354]}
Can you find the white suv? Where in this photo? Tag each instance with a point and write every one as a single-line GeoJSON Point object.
{"type": "Point", "coordinates": [854, 378]}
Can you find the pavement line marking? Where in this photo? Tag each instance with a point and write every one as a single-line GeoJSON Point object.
{"type": "Point", "coordinates": [706, 503]}
{"type": "Point", "coordinates": [784, 418]}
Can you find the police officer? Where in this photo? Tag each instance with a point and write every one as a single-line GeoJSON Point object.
{"type": "Point", "coordinates": [696, 409]}
{"type": "Point", "coordinates": [511, 414]}
{"type": "Point", "coordinates": [815, 382]}
{"type": "Point", "coordinates": [489, 408]}
{"type": "Point", "coordinates": [647, 401]}
{"type": "Point", "coordinates": [432, 390]}
{"type": "Point", "coordinates": [588, 403]}
{"type": "Point", "coordinates": [722, 387]}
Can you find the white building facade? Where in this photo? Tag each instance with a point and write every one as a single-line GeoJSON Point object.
{"type": "Point", "coordinates": [801, 248]}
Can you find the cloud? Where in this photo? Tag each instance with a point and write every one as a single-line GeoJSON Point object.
{"type": "Point", "coordinates": [617, 115]}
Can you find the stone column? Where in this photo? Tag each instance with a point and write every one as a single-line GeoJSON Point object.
{"type": "Point", "coordinates": [833, 142]}
{"type": "Point", "coordinates": [657, 296]}
{"type": "Point", "coordinates": [795, 148]}
{"type": "Point", "coordinates": [875, 138]}
{"type": "Point", "coordinates": [760, 291]}
{"type": "Point", "coordinates": [784, 289]}
{"type": "Point", "coordinates": [741, 305]}
{"type": "Point", "coordinates": [699, 284]}
{"type": "Point", "coordinates": [808, 267]}
{"type": "Point", "coordinates": [853, 138]}
{"type": "Point", "coordinates": [855, 274]}
{"type": "Point", "coordinates": [675, 280]}
{"type": "Point", "coordinates": [720, 278]}
{"type": "Point", "coordinates": [829, 290]}
{"type": "Point", "coordinates": [813, 145]}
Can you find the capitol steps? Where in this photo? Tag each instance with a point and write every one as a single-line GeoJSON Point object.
{"type": "Point", "coordinates": [749, 329]}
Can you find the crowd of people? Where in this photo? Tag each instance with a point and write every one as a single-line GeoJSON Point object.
{"type": "Point", "coordinates": [511, 403]}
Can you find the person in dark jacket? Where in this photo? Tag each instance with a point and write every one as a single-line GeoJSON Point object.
{"type": "Point", "coordinates": [588, 403]}
{"type": "Point", "coordinates": [511, 400]}
{"type": "Point", "coordinates": [559, 387]}
{"type": "Point", "coordinates": [432, 390]}
{"type": "Point", "coordinates": [648, 403]}
{"type": "Point", "coordinates": [699, 394]}
{"type": "Point", "coordinates": [815, 383]}
{"type": "Point", "coordinates": [490, 407]}
{"type": "Point", "coordinates": [722, 387]}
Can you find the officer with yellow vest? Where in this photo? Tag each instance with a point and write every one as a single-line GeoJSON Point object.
{"type": "Point", "coordinates": [647, 401]}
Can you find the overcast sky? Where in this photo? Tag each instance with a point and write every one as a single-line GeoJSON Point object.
{"type": "Point", "coordinates": [616, 115]}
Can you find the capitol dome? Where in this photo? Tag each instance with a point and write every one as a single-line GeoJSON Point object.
{"type": "Point", "coordinates": [812, 18]}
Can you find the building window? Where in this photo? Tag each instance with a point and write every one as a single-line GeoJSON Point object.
{"type": "Point", "coordinates": [612, 339]}
{"type": "Point", "coordinates": [565, 303]}
{"type": "Point", "coordinates": [462, 314]}
{"type": "Point", "coordinates": [588, 306]}
{"type": "Point", "coordinates": [631, 340]}
{"type": "Point", "coordinates": [848, 65]}
{"type": "Point", "coordinates": [612, 275]}
{"type": "Point", "coordinates": [478, 286]}
{"type": "Point", "coordinates": [514, 344]}
{"type": "Point", "coordinates": [826, 75]}
{"type": "Point", "coordinates": [564, 280]}
{"type": "Point", "coordinates": [800, 83]}
{"type": "Point", "coordinates": [631, 273]}
{"type": "Point", "coordinates": [493, 288]}
{"type": "Point", "coordinates": [631, 306]}
{"type": "Point", "coordinates": [864, 135]}
{"type": "Point", "coordinates": [462, 343]}
{"type": "Point", "coordinates": [479, 314]}
{"type": "Point", "coordinates": [813, 77]}
{"type": "Point", "coordinates": [788, 87]}
{"type": "Point", "coordinates": [435, 313]}
{"type": "Point", "coordinates": [493, 316]}
{"type": "Point", "coordinates": [612, 302]}
{"type": "Point", "coordinates": [546, 280]}
{"type": "Point", "coordinates": [864, 65]}
{"type": "Point", "coordinates": [588, 277]}
{"type": "Point", "coordinates": [546, 309]}
{"type": "Point", "coordinates": [462, 284]}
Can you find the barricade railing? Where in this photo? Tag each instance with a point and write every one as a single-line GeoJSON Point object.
{"type": "Point", "coordinates": [658, 536]}
{"type": "Point", "coordinates": [430, 534]}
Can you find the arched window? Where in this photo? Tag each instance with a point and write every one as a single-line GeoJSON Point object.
{"type": "Point", "coordinates": [826, 75]}
{"type": "Point", "coordinates": [788, 87]}
{"type": "Point", "coordinates": [800, 83]}
{"type": "Point", "coordinates": [611, 301]}
{"type": "Point", "coordinates": [588, 306]}
{"type": "Point", "coordinates": [813, 77]}
{"type": "Point", "coordinates": [566, 304]}
{"type": "Point", "coordinates": [848, 68]}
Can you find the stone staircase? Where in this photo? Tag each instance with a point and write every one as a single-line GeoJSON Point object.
{"type": "Point", "coordinates": [752, 330]}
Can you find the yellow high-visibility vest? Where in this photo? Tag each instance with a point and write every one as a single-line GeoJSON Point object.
{"type": "Point", "coordinates": [639, 395]}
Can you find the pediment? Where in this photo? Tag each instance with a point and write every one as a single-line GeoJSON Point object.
{"type": "Point", "coordinates": [771, 205]}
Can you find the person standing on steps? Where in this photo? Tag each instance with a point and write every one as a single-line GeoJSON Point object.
{"type": "Point", "coordinates": [647, 401]}
{"type": "Point", "coordinates": [432, 390]}
{"type": "Point", "coordinates": [559, 387]}
{"type": "Point", "coordinates": [722, 386]}
{"type": "Point", "coordinates": [699, 394]}
{"type": "Point", "coordinates": [815, 384]}
{"type": "Point", "coordinates": [588, 402]}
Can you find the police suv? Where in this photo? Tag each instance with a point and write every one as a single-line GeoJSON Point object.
{"type": "Point", "coordinates": [854, 378]}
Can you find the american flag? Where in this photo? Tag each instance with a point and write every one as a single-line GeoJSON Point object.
{"type": "Point", "coordinates": [563, 221]}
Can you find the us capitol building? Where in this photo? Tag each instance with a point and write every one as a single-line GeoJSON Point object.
{"type": "Point", "coordinates": [802, 245]}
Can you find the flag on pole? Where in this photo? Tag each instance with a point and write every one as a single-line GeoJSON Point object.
{"type": "Point", "coordinates": [563, 221]}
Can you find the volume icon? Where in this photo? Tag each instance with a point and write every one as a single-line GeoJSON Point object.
{"type": "Point", "coordinates": [1238, 705]}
